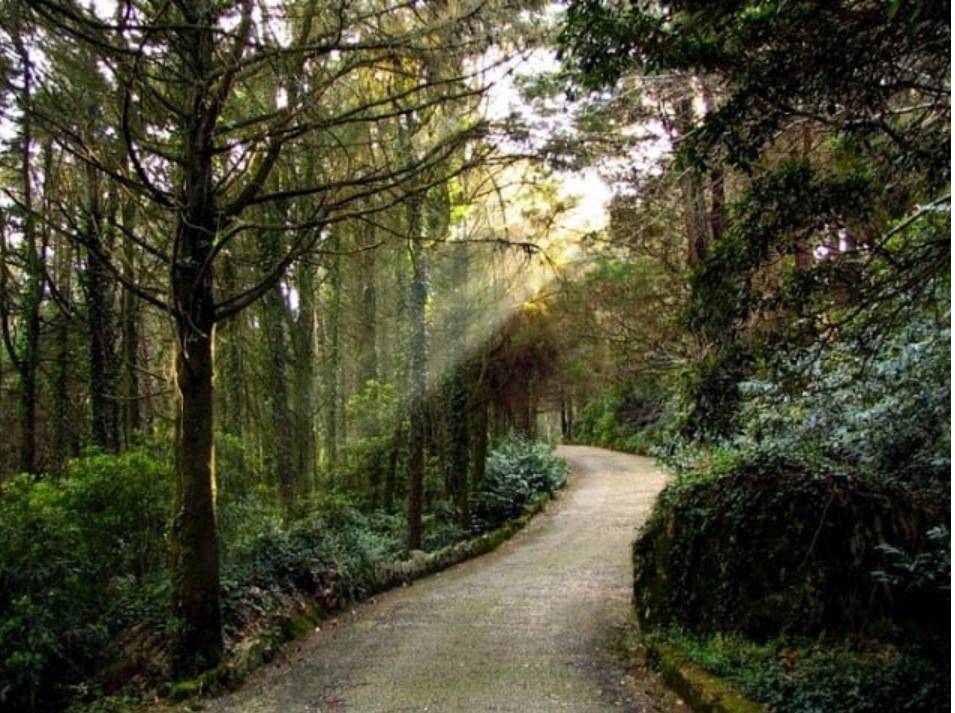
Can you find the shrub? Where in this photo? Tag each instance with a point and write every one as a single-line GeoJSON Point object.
{"type": "Point", "coordinates": [888, 411]}
{"type": "Point", "coordinates": [517, 470]}
{"type": "Point", "coordinates": [328, 556]}
{"type": "Point", "coordinates": [69, 549]}
{"type": "Point", "coordinates": [84, 589]}
{"type": "Point", "coordinates": [761, 543]}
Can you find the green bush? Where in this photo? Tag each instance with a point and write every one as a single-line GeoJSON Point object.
{"type": "Point", "coordinates": [442, 527]}
{"type": "Point", "coordinates": [888, 412]}
{"type": "Point", "coordinates": [762, 543]}
{"type": "Point", "coordinates": [327, 557]}
{"type": "Point", "coordinates": [70, 550]}
{"type": "Point", "coordinates": [517, 470]}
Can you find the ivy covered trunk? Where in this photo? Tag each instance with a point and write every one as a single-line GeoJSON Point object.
{"type": "Point", "coordinates": [333, 357]}
{"type": "Point", "coordinates": [303, 345]}
{"type": "Point", "coordinates": [102, 374]}
{"type": "Point", "coordinates": [32, 299]}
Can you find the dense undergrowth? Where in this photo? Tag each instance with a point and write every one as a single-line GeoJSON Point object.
{"type": "Point", "coordinates": [84, 591]}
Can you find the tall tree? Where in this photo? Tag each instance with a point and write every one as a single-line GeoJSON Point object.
{"type": "Point", "coordinates": [24, 350]}
{"type": "Point", "coordinates": [418, 369]}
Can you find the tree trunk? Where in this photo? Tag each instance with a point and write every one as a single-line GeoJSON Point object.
{"type": "Point", "coordinates": [304, 376]}
{"type": "Point", "coordinates": [231, 376]}
{"type": "Point", "coordinates": [717, 188]}
{"type": "Point", "coordinates": [333, 357]}
{"type": "Point", "coordinates": [131, 412]}
{"type": "Point", "coordinates": [62, 422]}
{"type": "Point", "coordinates": [479, 441]}
{"type": "Point", "coordinates": [418, 372]}
{"type": "Point", "coordinates": [695, 215]}
{"type": "Point", "coordinates": [391, 475]}
{"type": "Point", "coordinates": [458, 391]}
{"type": "Point", "coordinates": [275, 314]}
{"type": "Point", "coordinates": [34, 287]}
{"type": "Point", "coordinates": [564, 421]}
{"type": "Point", "coordinates": [195, 542]}
{"type": "Point", "coordinates": [368, 336]}
{"type": "Point", "coordinates": [99, 312]}
{"type": "Point", "coordinates": [195, 539]}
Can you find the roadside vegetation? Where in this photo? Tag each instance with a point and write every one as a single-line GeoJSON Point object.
{"type": "Point", "coordinates": [86, 593]}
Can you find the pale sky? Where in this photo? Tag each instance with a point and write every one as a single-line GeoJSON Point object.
{"type": "Point", "coordinates": [587, 188]}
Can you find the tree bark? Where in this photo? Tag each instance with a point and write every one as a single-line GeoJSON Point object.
{"type": "Point", "coordinates": [195, 539]}
{"type": "Point", "coordinates": [195, 542]}
{"type": "Point", "coordinates": [99, 313]}
{"type": "Point", "coordinates": [231, 374]}
{"type": "Point", "coordinates": [131, 412]}
{"type": "Point", "coordinates": [479, 441]}
{"type": "Point", "coordinates": [34, 287]}
{"type": "Point", "coordinates": [696, 219]}
{"type": "Point", "coordinates": [333, 357]}
{"type": "Point", "coordinates": [418, 372]}
{"type": "Point", "coordinates": [717, 188]}
{"type": "Point", "coordinates": [63, 438]}
{"type": "Point", "coordinates": [304, 377]}
{"type": "Point", "coordinates": [458, 391]}
{"type": "Point", "coordinates": [275, 315]}
{"type": "Point", "coordinates": [368, 336]}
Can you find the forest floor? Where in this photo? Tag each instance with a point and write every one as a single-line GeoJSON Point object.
{"type": "Point", "coordinates": [537, 625]}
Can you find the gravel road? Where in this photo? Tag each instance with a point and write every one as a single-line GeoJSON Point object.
{"type": "Point", "coordinates": [533, 627]}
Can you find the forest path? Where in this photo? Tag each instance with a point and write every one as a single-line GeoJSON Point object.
{"type": "Point", "coordinates": [534, 626]}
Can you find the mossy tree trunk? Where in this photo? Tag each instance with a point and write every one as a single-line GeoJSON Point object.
{"type": "Point", "coordinates": [100, 322]}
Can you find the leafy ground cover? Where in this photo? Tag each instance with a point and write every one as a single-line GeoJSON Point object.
{"type": "Point", "coordinates": [807, 676]}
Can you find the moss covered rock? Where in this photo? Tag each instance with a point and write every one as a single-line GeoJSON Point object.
{"type": "Point", "coordinates": [770, 546]}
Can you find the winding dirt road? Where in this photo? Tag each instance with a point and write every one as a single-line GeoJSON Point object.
{"type": "Point", "coordinates": [534, 626]}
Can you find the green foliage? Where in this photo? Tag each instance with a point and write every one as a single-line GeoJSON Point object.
{"type": "Point", "coordinates": [442, 527]}
{"type": "Point", "coordinates": [837, 63]}
{"type": "Point", "coordinates": [887, 414]}
{"type": "Point", "coordinates": [374, 411]}
{"type": "Point", "coordinates": [922, 571]}
{"type": "Point", "coordinates": [240, 470]}
{"type": "Point", "coordinates": [517, 470]}
{"type": "Point", "coordinates": [772, 217]}
{"type": "Point", "coordinates": [762, 542]}
{"type": "Point", "coordinates": [625, 417]}
{"type": "Point", "coordinates": [805, 677]}
{"type": "Point", "coordinates": [83, 559]}
{"type": "Point", "coordinates": [70, 550]}
{"type": "Point", "coordinates": [328, 556]}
